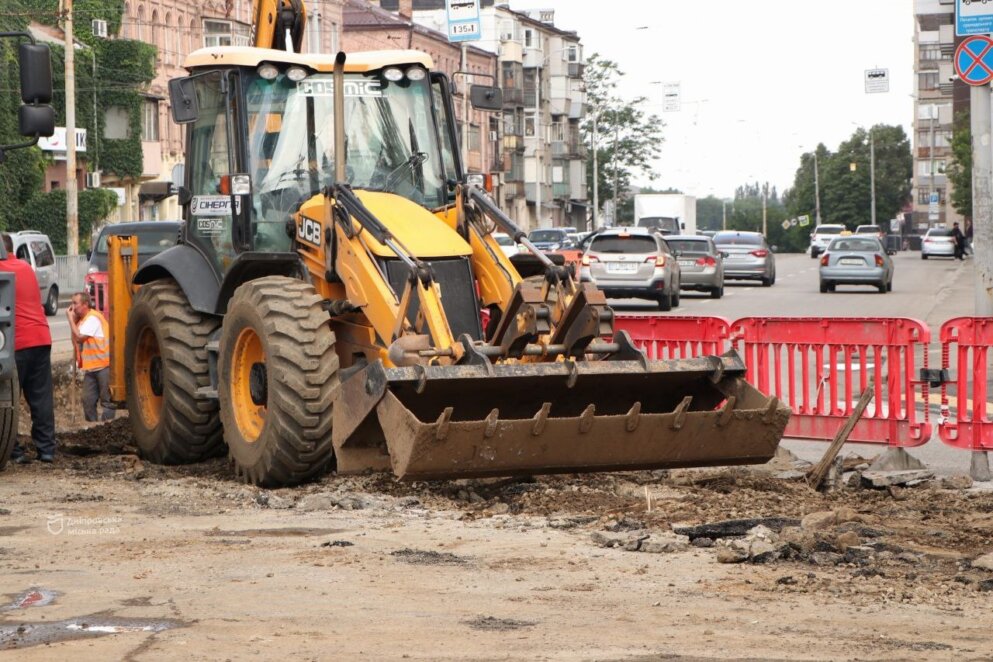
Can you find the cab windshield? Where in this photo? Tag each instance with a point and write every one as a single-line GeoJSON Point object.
{"type": "Point", "coordinates": [391, 143]}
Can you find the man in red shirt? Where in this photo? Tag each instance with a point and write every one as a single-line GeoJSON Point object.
{"type": "Point", "coordinates": [32, 354]}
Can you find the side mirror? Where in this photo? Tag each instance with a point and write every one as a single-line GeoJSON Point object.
{"type": "Point", "coordinates": [677, 253]}
{"type": "Point", "coordinates": [773, 249]}
{"type": "Point", "coordinates": [183, 99]}
{"type": "Point", "coordinates": [483, 97]}
{"type": "Point", "coordinates": [36, 117]}
{"type": "Point", "coordinates": [89, 253]}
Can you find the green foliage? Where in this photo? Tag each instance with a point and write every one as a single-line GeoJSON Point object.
{"type": "Point", "coordinates": [710, 213]}
{"type": "Point", "coordinates": [46, 212]}
{"type": "Point", "coordinates": [846, 193]}
{"type": "Point", "coordinates": [960, 170]}
{"type": "Point", "coordinates": [628, 138]}
{"type": "Point", "coordinates": [123, 69]}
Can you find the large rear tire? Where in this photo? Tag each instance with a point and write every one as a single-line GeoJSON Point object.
{"type": "Point", "coordinates": [277, 371]}
{"type": "Point", "coordinates": [166, 362]}
{"type": "Point", "coordinates": [8, 421]}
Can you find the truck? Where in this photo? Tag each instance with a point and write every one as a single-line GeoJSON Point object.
{"type": "Point", "coordinates": [669, 213]}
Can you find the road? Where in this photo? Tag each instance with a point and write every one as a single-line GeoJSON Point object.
{"type": "Point", "coordinates": [932, 291]}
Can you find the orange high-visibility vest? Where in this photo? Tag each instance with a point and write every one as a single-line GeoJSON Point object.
{"type": "Point", "coordinates": [95, 352]}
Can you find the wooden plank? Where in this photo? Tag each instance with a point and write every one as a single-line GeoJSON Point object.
{"type": "Point", "coordinates": [821, 469]}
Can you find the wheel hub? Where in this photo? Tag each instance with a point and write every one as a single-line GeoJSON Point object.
{"type": "Point", "coordinates": [258, 384]}
{"type": "Point", "coordinates": [155, 375]}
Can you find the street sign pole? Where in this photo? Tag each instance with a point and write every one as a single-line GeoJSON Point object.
{"type": "Point", "coordinates": [982, 226]}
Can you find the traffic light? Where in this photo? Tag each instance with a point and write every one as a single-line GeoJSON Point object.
{"type": "Point", "coordinates": [36, 117]}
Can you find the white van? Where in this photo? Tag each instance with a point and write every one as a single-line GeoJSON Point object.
{"type": "Point", "coordinates": [35, 248]}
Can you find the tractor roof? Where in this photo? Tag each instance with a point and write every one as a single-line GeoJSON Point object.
{"type": "Point", "coordinates": [359, 61]}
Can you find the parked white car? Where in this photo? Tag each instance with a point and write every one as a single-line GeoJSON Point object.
{"type": "Point", "coordinates": [36, 249]}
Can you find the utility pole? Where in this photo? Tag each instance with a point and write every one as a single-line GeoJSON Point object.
{"type": "Point", "coordinates": [72, 201]}
{"type": "Point", "coordinates": [765, 195]}
{"type": "Point", "coordinates": [539, 174]}
{"type": "Point", "coordinates": [872, 173]}
{"type": "Point", "coordinates": [465, 106]}
{"type": "Point", "coordinates": [817, 193]}
{"type": "Point", "coordinates": [596, 173]}
{"type": "Point", "coordinates": [982, 228]}
{"type": "Point", "coordinates": [724, 215]}
{"type": "Point", "coordinates": [617, 200]}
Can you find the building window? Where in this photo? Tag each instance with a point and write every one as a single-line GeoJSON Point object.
{"type": "Point", "coordinates": [529, 38]}
{"type": "Point", "coordinates": [224, 33]}
{"type": "Point", "coordinates": [116, 123]}
{"type": "Point", "coordinates": [150, 120]}
{"type": "Point", "coordinates": [924, 195]}
{"type": "Point", "coordinates": [529, 124]}
{"type": "Point", "coordinates": [927, 80]}
{"type": "Point", "coordinates": [140, 24]}
{"type": "Point", "coordinates": [931, 51]}
{"type": "Point", "coordinates": [572, 53]}
{"type": "Point", "coordinates": [474, 142]}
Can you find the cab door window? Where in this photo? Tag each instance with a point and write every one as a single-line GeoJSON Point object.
{"type": "Point", "coordinates": [212, 141]}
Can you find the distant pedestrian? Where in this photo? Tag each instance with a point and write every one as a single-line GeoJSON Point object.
{"type": "Point", "coordinates": [959, 241]}
{"type": "Point", "coordinates": [968, 237]}
{"type": "Point", "coordinates": [33, 356]}
{"type": "Point", "coordinates": [91, 335]}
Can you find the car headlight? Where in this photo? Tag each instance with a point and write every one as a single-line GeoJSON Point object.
{"type": "Point", "coordinates": [554, 247]}
{"type": "Point", "coordinates": [3, 341]}
{"type": "Point", "coordinates": [92, 270]}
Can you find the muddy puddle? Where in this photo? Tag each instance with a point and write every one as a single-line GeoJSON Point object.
{"type": "Point", "coordinates": [24, 635]}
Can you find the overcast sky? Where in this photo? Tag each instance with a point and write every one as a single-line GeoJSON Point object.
{"type": "Point", "coordinates": [762, 80]}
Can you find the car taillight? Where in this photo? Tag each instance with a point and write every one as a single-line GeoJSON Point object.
{"type": "Point", "coordinates": [927, 241]}
{"type": "Point", "coordinates": [879, 260]}
{"type": "Point", "coordinates": [761, 252]}
{"type": "Point", "coordinates": [659, 261]}
{"type": "Point", "coordinates": [706, 261]}
{"type": "Point", "coordinates": [587, 259]}
{"type": "Point", "coordinates": [824, 260]}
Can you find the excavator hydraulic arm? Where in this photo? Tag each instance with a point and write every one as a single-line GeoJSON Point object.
{"type": "Point", "coordinates": [277, 23]}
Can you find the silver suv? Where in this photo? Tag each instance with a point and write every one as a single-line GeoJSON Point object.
{"type": "Point", "coordinates": [632, 262]}
{"type": "Point", "coordinates": [35, 248]}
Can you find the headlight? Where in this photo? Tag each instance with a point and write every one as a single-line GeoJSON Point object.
{"type": "Point", "coordinates": [392, 74]}
{"type": "Point", "coordinates": [416, 73]}
{"type": "Point", "coordinates": [554, 247]}
{"type": "Point", "coordinates": [296, 74]}
{"type": "Point", "coordinates": [268, 71]}
{"type": "Point", "coordinates": [93, 270]}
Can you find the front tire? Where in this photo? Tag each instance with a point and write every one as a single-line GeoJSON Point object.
{"type": "Point", "coordinates": [665, 302]}
{"type": "Point", "coordinates": [166, 362]}
{"type": "Point", "coordinates": [277, 370]}
{"type": "Point", "coordinates": [52, 301]}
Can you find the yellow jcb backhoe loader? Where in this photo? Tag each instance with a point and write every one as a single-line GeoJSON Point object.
{"type": "Point", "coordinates": [323, 303]}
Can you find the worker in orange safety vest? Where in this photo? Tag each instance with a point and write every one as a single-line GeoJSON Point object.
{"type": "Point", "coordinates": [91, 337]}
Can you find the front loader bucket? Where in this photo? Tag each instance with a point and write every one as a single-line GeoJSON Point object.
{"type": "Point", "coordinates": [440, 422]}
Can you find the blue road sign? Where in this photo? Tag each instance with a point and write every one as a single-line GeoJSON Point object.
{"type": "Point", "coordinates": [973, 17]}
{"type": "Point", "coordinates": [974, 60]}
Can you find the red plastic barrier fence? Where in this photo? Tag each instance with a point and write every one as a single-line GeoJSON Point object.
{"type": "Point", "coordinates": [97, 285]}
{"type": "Point", "coordinates": [820, 366]}
{"type": "Point", "coordinates": [965, 417]}
{"type": "Point", "coordinates": [665, 337]}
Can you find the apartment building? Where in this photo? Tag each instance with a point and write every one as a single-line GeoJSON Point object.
{"type": "Point", "coordinates": [937, 101]}
{"type": "Point", "coordinates": [542, 174]}
{"type": "Point", "coordinates": [177, 28]}
{"type": "Point", "coordinates": [367, 27]}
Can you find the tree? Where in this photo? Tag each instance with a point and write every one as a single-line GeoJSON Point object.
{"type": "Point", "coordinates": [960, 170]}
{"type": "Point", "coordinates": [627, 137]}
{"type": "Point", "coordinates": [845, 184]}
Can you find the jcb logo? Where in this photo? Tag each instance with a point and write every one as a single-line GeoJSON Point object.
{"type": "Point", "coordinates": [309, 231]}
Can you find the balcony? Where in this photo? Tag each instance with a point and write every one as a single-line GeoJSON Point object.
{"type": "Point", "coordinates": [513, 96]}
{"type": "Point", "coordinates": [561, 190]}
{"type": "Point", "coordinates": [513, 143]}
{"type": "Point", "coordinates": [576, 69]}
{"type": "Point", "coordinates": [513, 189]}
{"type": "Point", "coordinates": [500, 163]}
{"type": "Point", "coordinates": [559, 148]}
{"type": "Point", "coordinates": [529, 192]}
